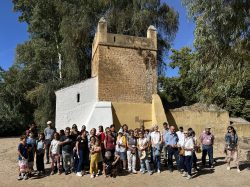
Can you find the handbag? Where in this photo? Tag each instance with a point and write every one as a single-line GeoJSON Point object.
{"type": "Point", "coordinates": [181, 152]}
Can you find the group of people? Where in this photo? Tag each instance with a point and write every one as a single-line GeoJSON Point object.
{"type": "Point", "coordinates": [109, 152]}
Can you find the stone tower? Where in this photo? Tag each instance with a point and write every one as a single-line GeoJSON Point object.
{"type": "Point", "coordinates": [126, 66]}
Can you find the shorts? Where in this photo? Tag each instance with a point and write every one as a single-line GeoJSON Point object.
{"type": "Point", "coordinates": [123, 155]}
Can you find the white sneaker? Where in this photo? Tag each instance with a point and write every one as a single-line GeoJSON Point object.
{"type": "Point", "coordinates": [184, 174]}
{"type": "Point", "coordinates": [92, 176]}
{"type": "Point", "coordinates": [238, 170]}
{"type": "Point", "coordinates": [189, 177]}
{"type": "Point", "coordinates": [134, 172]}
{"type": "Point", "coordinates": [79, 174]}
{"type": "Point", "coordinates": [228, 168]}
{"type": "Point", "coordinates": [158, 171]}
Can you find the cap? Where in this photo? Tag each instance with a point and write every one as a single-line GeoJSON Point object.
{"type": "Point", "coordinates": [49, 122]}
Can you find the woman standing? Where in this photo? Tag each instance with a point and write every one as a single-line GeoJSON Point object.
{"type": "Point", "coordinates": [232, 147]}
{"type": "Point", "coordinates": [109, 142]}
{"type": "Point", "coordinates": [121, 148]}
{"type": "Point", "coordinates": [131, 152]}
{"type": "Point", "coordinates": [188, 147]}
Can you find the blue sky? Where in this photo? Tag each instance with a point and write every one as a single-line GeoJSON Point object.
{"type": "Point", "coordinates": [12, 32]}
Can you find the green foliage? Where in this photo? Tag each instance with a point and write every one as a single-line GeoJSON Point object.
{"type": "Point", "coordinates": [64, 29]}
{"type": "Point", "coordinates": [219, 70]}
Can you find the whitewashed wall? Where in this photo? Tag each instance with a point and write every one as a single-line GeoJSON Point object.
{"type": "Point", "coordinates": [87, 112]}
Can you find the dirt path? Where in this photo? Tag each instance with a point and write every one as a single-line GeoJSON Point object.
{"type": "Point", "coordinates": [217, 177]}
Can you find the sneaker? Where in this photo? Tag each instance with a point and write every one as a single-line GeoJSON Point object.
{"type": "Point", "coordinates": [79, 174]}
{"type": "Point", "coordinates": [134, 172]}
{"type": "Point", "coordinates": [150, 173]}
{"type": "Point", "coordinates": [25, 177]}
{"type": "Point", "coordinates": [92, 176]}
{"type": "Point", "coordinates": [188, 177]}
{"type": "Point", "coordinates": [158, 171]}
{"type": "Point", "coordinates": [19, 178]}
{"type": "Point", "coordinates": [228, 168]}
{"type": "Point", "coordinates": [143, 172]}
{"type": "Point", "coordinates": [97, 175]}
{"type": "Point", "coordinates": [238, 170]}
{"type": "Point", "coordinates": [184, 174]}
{"type": "Point", "coordinates": [52, 173]}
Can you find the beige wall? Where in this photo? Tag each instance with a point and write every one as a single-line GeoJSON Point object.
{"type": "Point", "coordinates": [243, 130]}
{"type": "Point", "coordinates": [132, 114]}
{"type": "Point", "coordinates": [218, 121]}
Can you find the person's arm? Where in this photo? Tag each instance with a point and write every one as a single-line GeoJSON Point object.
{"type": "Point", "coordinates": [77, 148]}
{"type": "Point", "coordinates": [117, 157]}
{"type": "Point", "coordinates": [105, 142]}
{"type": "Point", "coordinates": [212, 140]}
{"type": "Point", "coordinates": [50, 147]}
{"type": "Point", "coordinates": [19, 152]}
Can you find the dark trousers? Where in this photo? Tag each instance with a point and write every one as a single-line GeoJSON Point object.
{"type": "Point", "coordinates": [47, 145]}
{"type": "Point", "coordinates": [82, 162]}
{"type": "Point", "coordinates": [207, 149]}
{"type": "Point", "coordinates": [40, 162]}
{"type": "Point", "coordinates": [173, 152]}
{"type": "Point", "coordinates": [194, 160]}
{"type": "Point", "coordinates": [76, 161]}
{"type": "Point", "coordinates": [187, 164]}
{"type": "Point", "coordinates": [181, 162]}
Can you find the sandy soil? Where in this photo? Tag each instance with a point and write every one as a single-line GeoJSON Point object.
{"type": "Point", "coordinates": [218, 176]}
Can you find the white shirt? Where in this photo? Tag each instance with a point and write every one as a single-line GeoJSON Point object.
{"type": "Point", "coordinates": [188, 144]}
{"type": "Point", "coordinates": [181, 137]}
{"type": "Point", "coordinates": [155, 137]}
{"type": "Point", "coordinates": [55, 148]}
{"type": "Point", "coordinates": [142, 142]}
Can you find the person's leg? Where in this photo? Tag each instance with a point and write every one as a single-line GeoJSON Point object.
{"type": "Point", "coordinates": [147, 165]}
{"type": "Point", "coordinates": [47, 151]}
{"type": "Point", "coordinates": [91, 168]}
{"type": "Point", "coordinates": [194, 161]}
{"type": "Point", "coordinates": [38, 162]}
{"type": "Point", "coordinates": [52, 164]}
{"type": "Point", "coordinates": [57, 157]}
{"type": "Point", "coordinates": [210, 155]}
{"type": "Point", "coordinates": [177, 159]}
{"type": "Point", "coordinates": [80, 162]}
{"type": "Point", "coordinates": [170, 158]}
{"type": "Point", "coordinates": [96, 165]}
{"type": "Point", "coordinates": [188, 165]}
{"type": "Point", "coordinates": [164, 149]}
{"type": "Point", "coordinates": [133, 163]}
{"type": "Point", "coordinates": [204, 154]}
{"type": "Point", "coordinates": [235, 158]}
{"type": "Point", "coordinates": [129, 156]}
{"type": "Point", "coordinates": [181, 162]}
{"type": "Point", "coordinates": [185, 165]}
{"type": "Point", "coordinates": [124, 162]}
{"type": "Point", "coordinates": [142, 161]}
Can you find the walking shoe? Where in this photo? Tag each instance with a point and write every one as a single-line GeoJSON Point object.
{"type": "Point", "coordinates": [20, 177]}
{"type": "Point", "coordinates": [134, 172]}
{"type": "Point", "coordinates": [52, 173]}
{"type": "Point", "coordinates": [184, 174]}
{"type": "Point", "coordinates": [189, 177]}
{"type": "Point", "coordinates": [158, 171]}
{"type": "Point", "coordinates": [238, 170]}
{"type": "Point", "coordinates": [228, 168]}
{"type": "Point", "coordinates": [25, 177]}
{"type": "Point", "coordinates": [92, 176]}
{"type": "Point", "coordinates": [150, 173]}
{"type": "Point", "coordinates": [79, 174]}
{"type": "Point", "coordinates": [143, 172]}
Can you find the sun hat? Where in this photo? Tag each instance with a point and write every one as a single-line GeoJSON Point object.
{"type": "Point", "coordinates": [49, 122]}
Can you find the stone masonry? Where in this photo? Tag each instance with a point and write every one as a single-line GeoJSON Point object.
{"type": "Point", "coordinates": [125, 65]}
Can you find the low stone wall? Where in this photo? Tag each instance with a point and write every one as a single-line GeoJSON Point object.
{"type": "Point", "coordinates": [198, 120]}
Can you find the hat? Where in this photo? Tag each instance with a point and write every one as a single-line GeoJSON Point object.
{"type": "Point", "coordinates": [120, 131]}
{"type": "Point", "coordinates": [143, 154]}
{"type": "Point", "coordinates": [49, 122]}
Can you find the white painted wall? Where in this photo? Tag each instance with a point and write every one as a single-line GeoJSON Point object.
{"type": "Point", "coordinates": [87, 112]}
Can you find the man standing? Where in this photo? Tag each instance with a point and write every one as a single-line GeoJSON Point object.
{"type": "Point", "coordinates": [163, 134]}
{"type": "Point", "coordinates": [67, 151]}
{"type": "Point", "coordinates": [207, 141]}
{"type": "Point", "coordinates": [155, 143]}
{"type": "Point", "coordinates": [180, 135]}
{"type": "Point", "coordinates": [171, 141]}
{"type": "Point", "coordinates": [49, 133]}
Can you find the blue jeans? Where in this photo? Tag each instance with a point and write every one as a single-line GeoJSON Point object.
{"type": "Point", "coordinates": [194, 160]}
{"type": "Point", "coordinates": [82, 161]}
{"type": "Point", "coordinates": [207, 149]}
{"type": "Point", "coordinates": [144, 162]}
{"type": "Point", "coordinates": [173, 152]}
{"type": "Point", "coordinates": [187, 164]}
{"type": "Point", "coordinates": [157, 160]}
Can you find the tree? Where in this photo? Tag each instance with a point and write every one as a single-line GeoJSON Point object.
{"type": "Point", "coordinates": [63, 30]}
{"type": "Point", "coordinates": [222, 43]}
